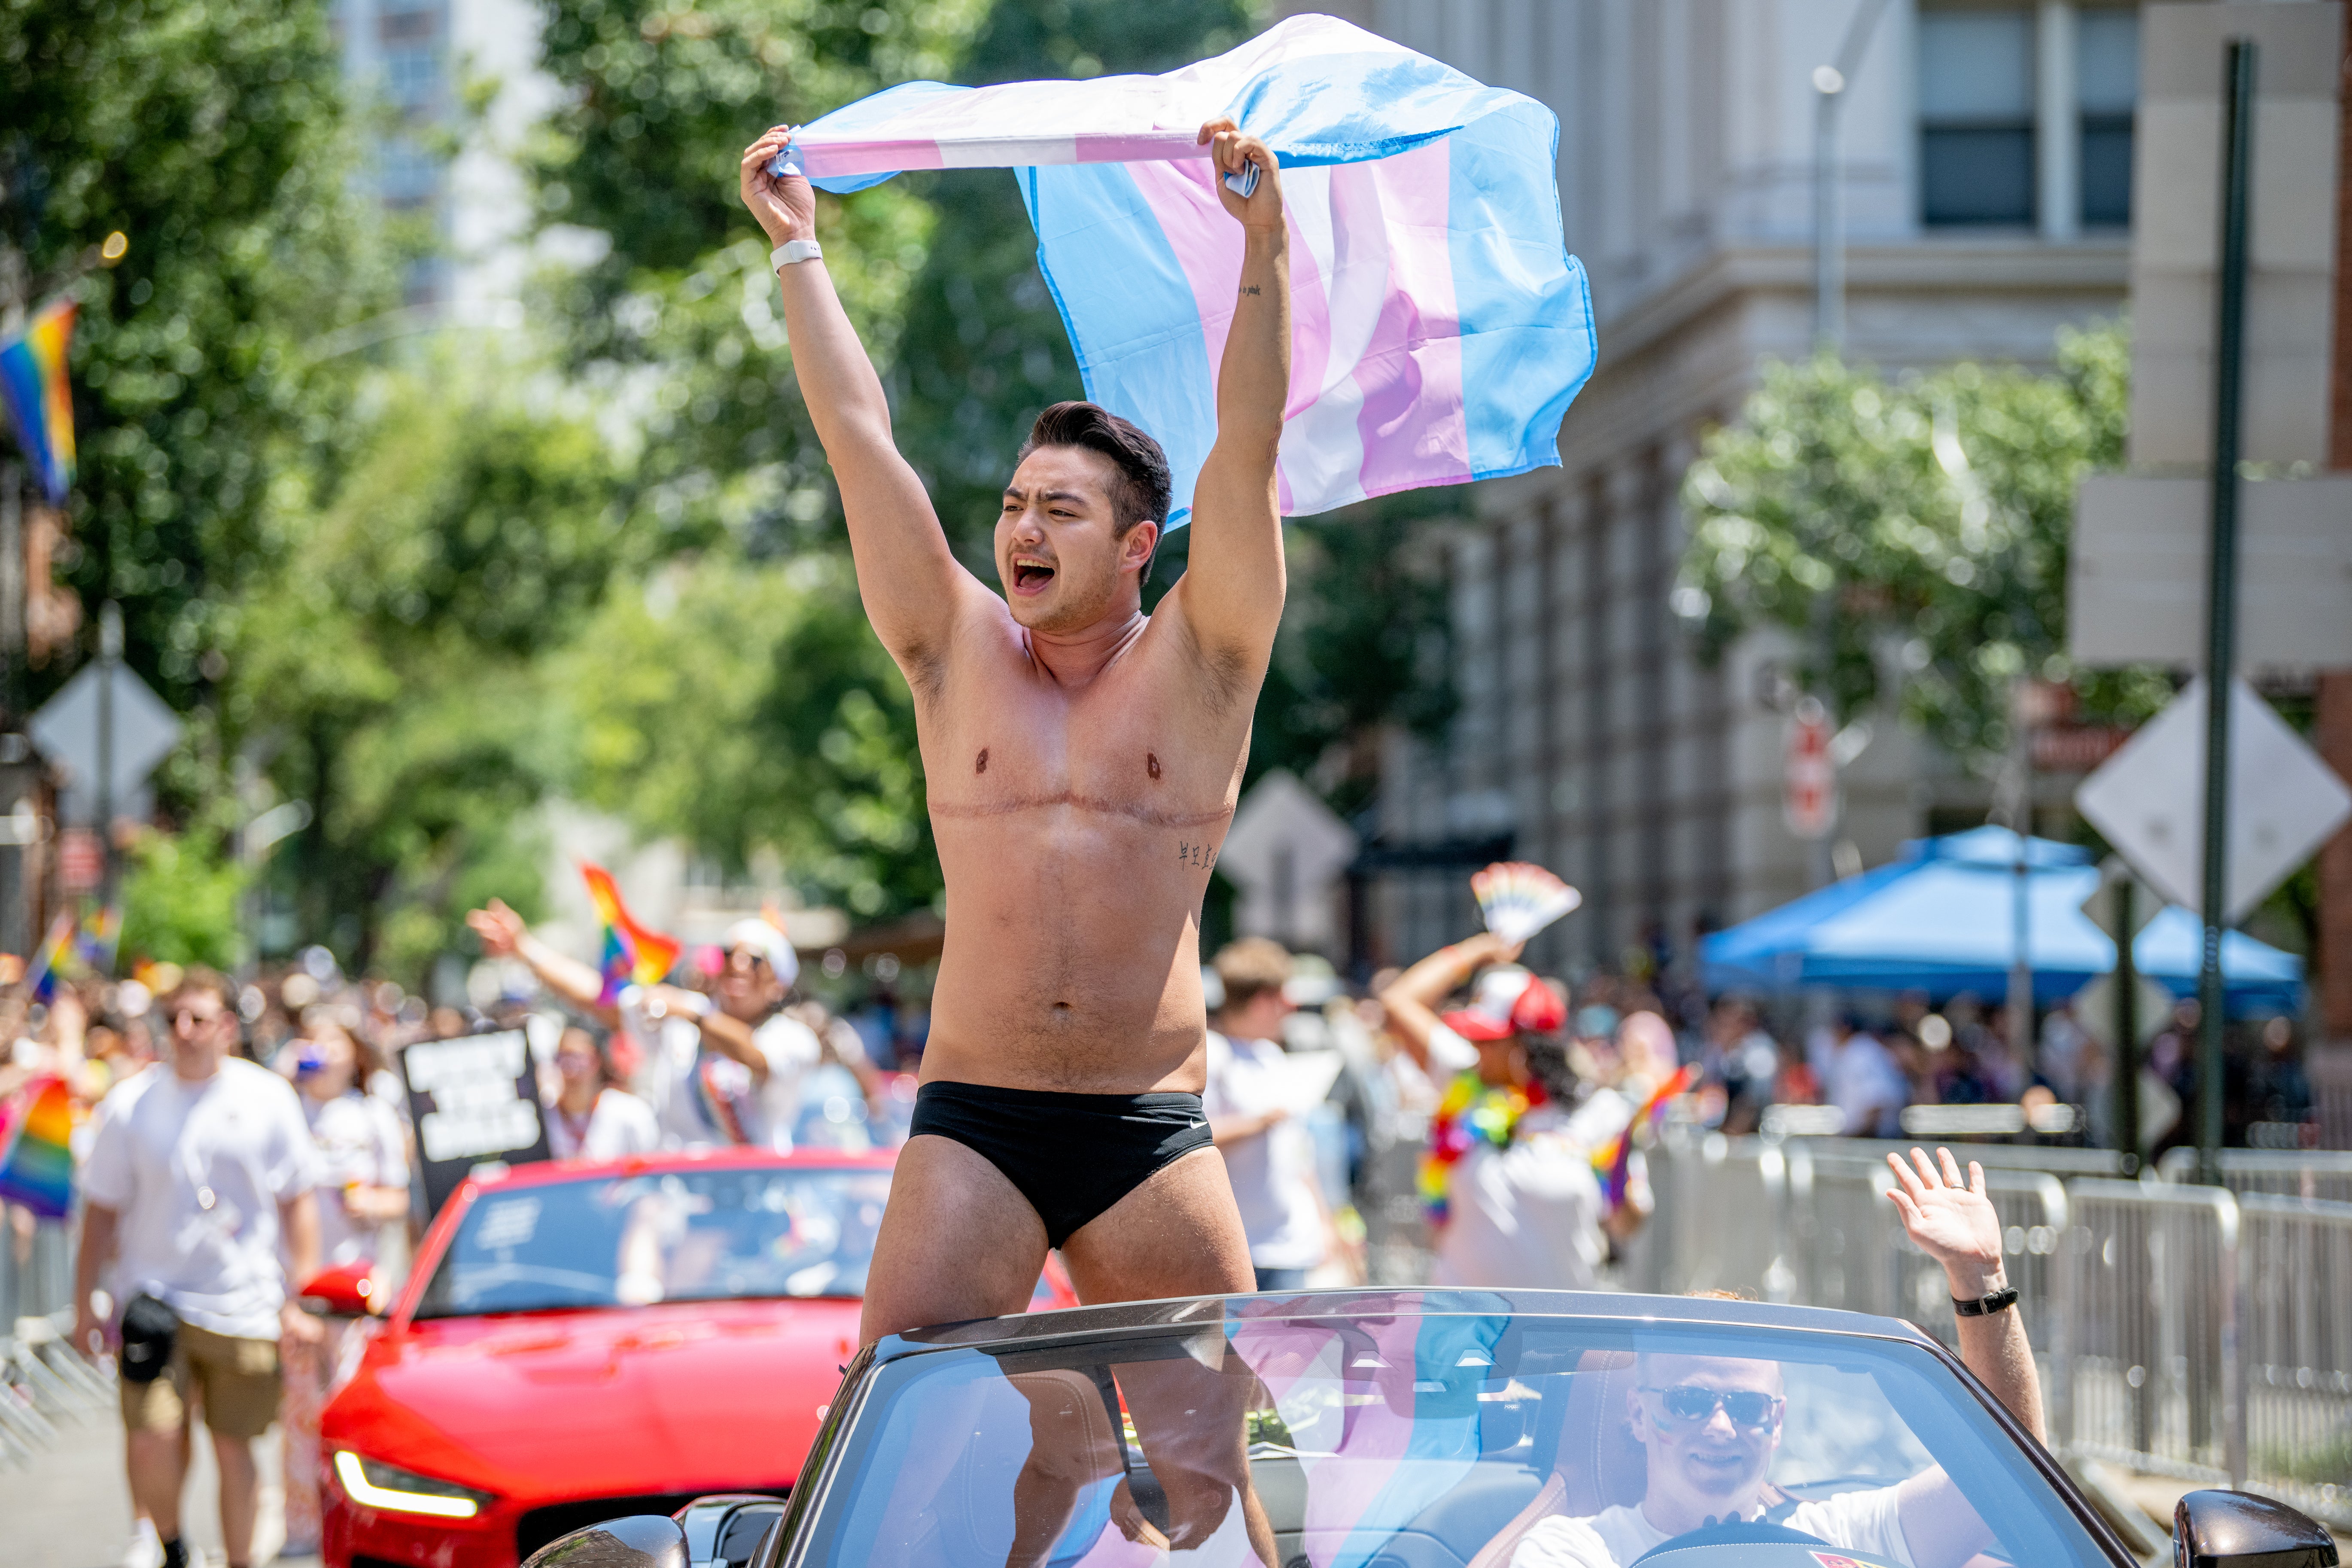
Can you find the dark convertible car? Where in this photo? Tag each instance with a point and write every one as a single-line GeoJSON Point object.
{"type": "Point", "coordinates": [1423, 1429]}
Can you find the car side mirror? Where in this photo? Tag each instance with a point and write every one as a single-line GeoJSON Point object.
{"type": "Point", "coordinates": [346, 1291]}
{"type": "Point", "coordinates": [2239, 1530]}
{"type": "Point", "coordinates": [727, 1530]}
{"type": "Point", "coordinates": [639, 1541]}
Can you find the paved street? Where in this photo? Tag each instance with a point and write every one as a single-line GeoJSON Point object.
{"type": "Point", "coordinates": [71, 1508]}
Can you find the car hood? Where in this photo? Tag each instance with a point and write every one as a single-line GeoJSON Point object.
{"type": "Point", "coordinates": [678, 1397]}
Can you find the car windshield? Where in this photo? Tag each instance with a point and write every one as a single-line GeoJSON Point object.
{"type": "Point", "coordinates": [1408, 1441]}
{"type": "Point", "coordinates": [633, 1240]}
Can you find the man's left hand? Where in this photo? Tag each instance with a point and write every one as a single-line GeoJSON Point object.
{"type": "Point", "coordinates": [1950, 1220]}
{"type": "Point", "coordinates": [1232, 150]}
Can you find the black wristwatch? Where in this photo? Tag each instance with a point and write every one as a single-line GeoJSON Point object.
{"type": "Point", "coordinates": [1986, 1306]}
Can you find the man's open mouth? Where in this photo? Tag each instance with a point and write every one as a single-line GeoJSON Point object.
{"type": "Point", "coordinates": [1031, 576]}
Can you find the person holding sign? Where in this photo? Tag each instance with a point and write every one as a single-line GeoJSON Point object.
{"type": "Point", "coordinates": [1082, 763]}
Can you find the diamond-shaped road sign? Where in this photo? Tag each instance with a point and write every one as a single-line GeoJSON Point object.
{"type": "Point", "coordinates": [66, 728]}
{"type": "Point", "coordinates": [2148, 799]}
{"type": "Point", "coordinates": [2105, 904]}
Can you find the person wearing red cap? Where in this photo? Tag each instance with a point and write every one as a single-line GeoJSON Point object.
{"type": "Point", "coordinates": [1512, 1194]}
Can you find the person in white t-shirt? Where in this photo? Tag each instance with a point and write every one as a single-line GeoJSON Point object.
{"type": "Point", "coordinates": [1269, 1157]}
{"type": "Point", "coordinates": [1862, 1081]}
{"type": "Point", "coordinates": [199, 1173]}
{"type": "Point", "coordinates": [592, 1118]}
{"type": "Point", "coordinates": [723, 1069]}
{"type": "Point", "coordinates": [1710, 1425]}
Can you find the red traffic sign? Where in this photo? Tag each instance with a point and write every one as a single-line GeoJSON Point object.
{"type": "Point", "coordinates": [1808, 773]}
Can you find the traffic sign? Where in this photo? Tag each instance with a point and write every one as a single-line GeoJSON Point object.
{"type": "Point", "coordinates": [66, 728]}
{"type": "Point", "coordinates": [2148, 799]}
{"type": "Point", "coordinates": [2094, 1009]}
{"type": "Point", "coordinates": [2104, 906]}
{"type": "Point", "coordinates": [1808, 777]}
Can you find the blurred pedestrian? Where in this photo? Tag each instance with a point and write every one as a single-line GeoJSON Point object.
{"type": "Point", "coordinates": [200, 1173]}
{"type": "Point", "coordinates": [1742, 1057]}
{"type": "Point", "coordinates": [362, 1187]}
{"type": "Point", "coordinates": [1512, 1192]}
{"type": "Point", "coordinates": [720, 1069]}
{"type": "Point", "coordinates": [1864, 1082]}
{"type": "Point", "coordinates": [592, 1117]}
{"type": "Point", "coordinates": [1249, 1100]}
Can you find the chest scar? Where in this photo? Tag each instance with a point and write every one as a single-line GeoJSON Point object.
{"type": "Point", "coordinates": [1151, 764]}
{"type": "Point", "coordinates": [980, 764]}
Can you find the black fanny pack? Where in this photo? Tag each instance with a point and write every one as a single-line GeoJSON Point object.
{"type": "Point", "coordinates": [150, 1329]}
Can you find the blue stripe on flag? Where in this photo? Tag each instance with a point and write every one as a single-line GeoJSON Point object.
{"type": "Point", "coordinates": [1528, 344]}
{"type": "Point", "coordinates": [1350, 108]}
{"type": "Point", "coordinates": [870, 112]}
{"type": "Point", "coordinates": [1129, 310]}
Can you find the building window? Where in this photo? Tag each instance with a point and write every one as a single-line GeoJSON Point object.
{"type": "Point", "coordinates": [2107, 88]}
{"type": "Point", "coordinates": [1975, 116]}
{"type": "Point", "coordinates": [412, 75]}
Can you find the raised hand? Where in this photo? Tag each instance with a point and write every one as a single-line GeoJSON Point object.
{"type": "Point", "coordinates": [1950, 1220]}
{"type": "Point", "coordinates": [500, 929]}
{"type": "Point", "coordinates": [784, 205]}
{"type": "Point", "coordinates": [1232, 150]}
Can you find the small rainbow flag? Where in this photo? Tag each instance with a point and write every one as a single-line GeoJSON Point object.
{"type": "Point", "coordinates": [94, 942]}
{"type": "Point", "coordinates": [1613, 1161]}
{"type": "Point", "coordinates": [39, 398]}
{"type": "Point", "coordinates": [634, 954]}
{"type": "Point", "coordinates": [42, 981]}
{"type": "Point", "coordinates": [36, 1154]}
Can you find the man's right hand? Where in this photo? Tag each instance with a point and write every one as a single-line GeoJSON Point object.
{"type": "Point", "coordinates": [500, 929]}
{"type": "Point", "coordinates": [784, 205]}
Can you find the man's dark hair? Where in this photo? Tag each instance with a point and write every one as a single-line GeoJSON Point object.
{"type": "Point", "coordinates": [1142, 489]}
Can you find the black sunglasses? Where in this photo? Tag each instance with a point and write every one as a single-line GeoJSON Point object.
{"type": "Point", "coordinates": [1690, 1402]}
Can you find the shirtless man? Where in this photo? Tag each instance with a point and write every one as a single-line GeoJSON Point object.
{"type": "Point", "coordinates": [1082, 760]}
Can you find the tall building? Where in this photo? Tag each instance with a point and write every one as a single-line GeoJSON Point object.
{"type": "Point", "coordinates": [1986, 178]}
{"type": "Point", "coordinates": [413, 66]}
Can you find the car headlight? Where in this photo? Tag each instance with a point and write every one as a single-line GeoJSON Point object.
{"type": "Point", "coordinates": [378, 1484]}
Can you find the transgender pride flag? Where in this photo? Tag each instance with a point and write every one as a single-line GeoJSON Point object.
{"type": "Point", "coordinates": [1438, 325]}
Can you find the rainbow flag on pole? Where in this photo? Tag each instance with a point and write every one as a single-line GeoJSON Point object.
{"type": "Point", "coordinates": [634, 954]}
{"type": "Point", "coordinates": [36, 1152]}
{"type": "Point", "coordinates": [1439, 326]}
{"type": "Point", "coordinates": [40, 400]}
{"type": "Point", "coordinates": [41, 982]}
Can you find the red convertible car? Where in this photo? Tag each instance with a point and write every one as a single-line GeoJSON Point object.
{"type": "Point", "coordinates": [581, 1340]}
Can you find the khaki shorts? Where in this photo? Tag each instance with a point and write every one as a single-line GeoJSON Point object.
{"type": "Point", "coordinates": [236, 1382]}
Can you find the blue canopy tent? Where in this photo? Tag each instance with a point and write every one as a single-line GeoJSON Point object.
{"type": "Point", "coordinates": [1940, 919]}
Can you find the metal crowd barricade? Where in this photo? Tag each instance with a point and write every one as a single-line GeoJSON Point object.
{"type": "Point", "coordinates": [42, 1380]}
{"type": "Point", "coordinates": [2295, 1345]}
{"type": "Point", "coordinates": [2322, 1173]}
{"type": "Point", "coordinates": [1721, 1219]}
{"type": "Point", "coordinates": [2153, 1370]}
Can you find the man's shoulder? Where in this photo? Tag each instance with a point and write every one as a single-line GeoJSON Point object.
{"type": "Point", "coordinates": [117, 1100]}
{"type": "Point", "coordinates": [1560, 1542]}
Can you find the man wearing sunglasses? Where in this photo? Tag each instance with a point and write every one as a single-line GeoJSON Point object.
{"type": "Point", "coordinates": [1710, 1425]}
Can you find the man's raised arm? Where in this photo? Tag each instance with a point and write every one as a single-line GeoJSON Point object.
{"type": "Point", "coordinates": [1233, 586]}
{"type": "Point", "coordinates": [907, 576]}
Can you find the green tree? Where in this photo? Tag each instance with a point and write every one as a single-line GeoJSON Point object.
{"type": "Point", "coordinates": [213, 133]}
{"type": "Point", "coordinates": [180, 900]}
{"type": "Point", "coordinates": [391, 666]}
{"type": "Point", "coordinates": [749, 706]}
{"type": "Point", "coordinates": [1926, 516]}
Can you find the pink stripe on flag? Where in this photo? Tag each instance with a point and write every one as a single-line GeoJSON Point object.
{"type": "Point", "coordinates": [1413, 426]}
{"type": "Point", "coordinates": [1341, 1489]}
{"type": "Point", "coordinates": [826, 163]}
{"type": "Point", "coordinates": [1140, 147]}
{"type": "Point", "coordinates": [1207, 244]}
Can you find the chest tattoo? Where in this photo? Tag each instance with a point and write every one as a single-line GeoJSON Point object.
{"type": "Point", "coordinates": [980, 764]}
{"type": "Point", "coordinates": [1151, 764]}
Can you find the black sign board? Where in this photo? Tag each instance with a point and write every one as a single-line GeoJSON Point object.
{"type": "Point", "coordinates": [475, 1102]}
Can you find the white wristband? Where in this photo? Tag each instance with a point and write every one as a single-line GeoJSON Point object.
{"type": "Point", "coordinates": [793, 252]}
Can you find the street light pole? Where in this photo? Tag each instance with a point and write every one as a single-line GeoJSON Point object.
{"type": "Point", "coordinates": [1830, 82]}
{"type": "Point", "coordinates": [2222, 585]}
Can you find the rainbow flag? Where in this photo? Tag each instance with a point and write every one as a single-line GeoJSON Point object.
{"type": "Point", "coordinates": [42, 980]}
{"type": "Point", "coordinates": [94, 943]}
{"type": "Point", "coordinates": [36, 1156]}
{"type": "Point", "coordinates": [40, 400]}
{"type": "Point", "coordinates": [634, 954]}
{"type": "Point", "coordinates": [1613, 1161]}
